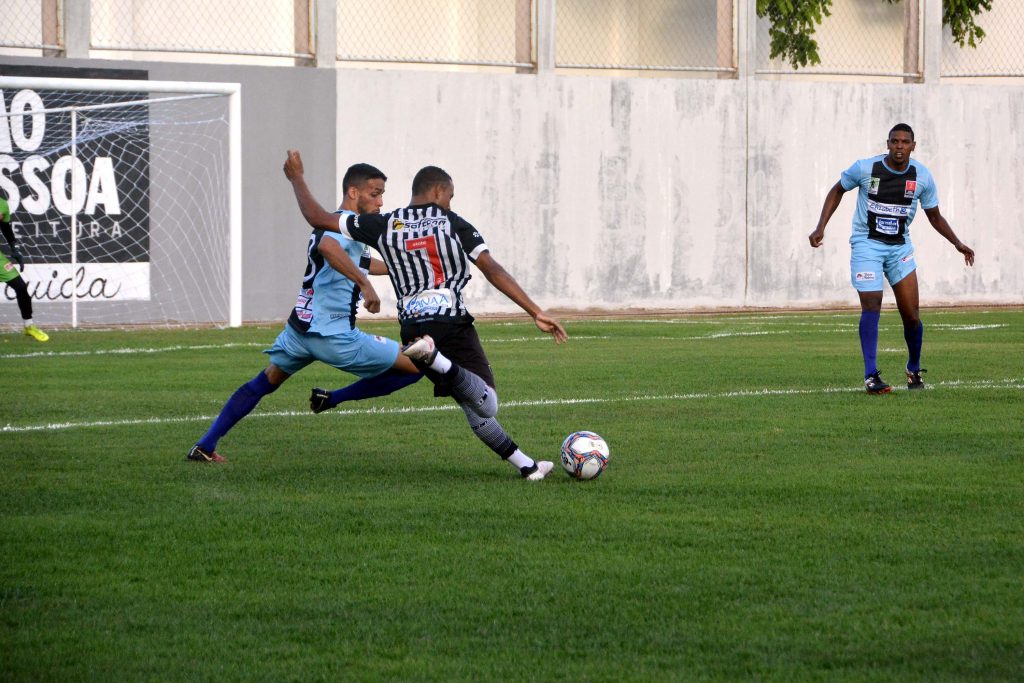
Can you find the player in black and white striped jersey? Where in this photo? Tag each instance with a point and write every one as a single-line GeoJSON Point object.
{"type": "Point", "coordinates": [428, 250]}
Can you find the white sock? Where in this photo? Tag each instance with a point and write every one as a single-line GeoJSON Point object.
{"type": "Point", "coordinates": [28, 322]}
{"type": "Point", "coordinates": [440, 363]}
{"type": "Point", "coordinates": [520, 460]}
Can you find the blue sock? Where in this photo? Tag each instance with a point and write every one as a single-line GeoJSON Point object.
{"type": "Point", "coordinates": [869, 341]}
{"type": "Point", "coordinates": [380, 385]}
{"type": "Point", "coordinates": [914, 337]}
{"type": "Point", "coordinates": [238, 406]}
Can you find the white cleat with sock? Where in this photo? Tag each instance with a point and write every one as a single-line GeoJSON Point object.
{"type": "Point", "coordinates": [543, 467]}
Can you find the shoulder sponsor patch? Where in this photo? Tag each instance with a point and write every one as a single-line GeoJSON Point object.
{"type": "Point", "coordinates": [910, 188]}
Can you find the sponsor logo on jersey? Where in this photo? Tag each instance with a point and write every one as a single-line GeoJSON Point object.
{"type": "Point", "coordinates": [910, 189]}
{"type": "Point", "coordinates": [887, 226]}
{"type": "Point", "coordinates": [397, 224]}
{"type": "Point", "coordinates": [888, 209]}
{"type": "Point", "coordinates": [379, 339]}
{"type": "Point", "coordinates": [873, 187]}
{"type": "Point", "coordinates": [426, 224]}
{"type": "Point", "coordinates": [8, 266]}
{"type": "Point", "coordinates": [864, 277]}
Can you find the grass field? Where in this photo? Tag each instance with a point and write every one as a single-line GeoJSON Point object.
{"type": "Point", "coordinates": [761, 517]}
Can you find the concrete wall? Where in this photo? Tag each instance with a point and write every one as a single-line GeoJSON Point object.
{"type": "Point", "coordinates": [665, 193]}
{"type": "Point", "coordinates": [617, 193]}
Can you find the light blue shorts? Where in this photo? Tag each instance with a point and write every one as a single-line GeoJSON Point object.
{"type": "Point", "coordinates": [871, 259]}
{"type": "Point", "coordinates": [364, 355]}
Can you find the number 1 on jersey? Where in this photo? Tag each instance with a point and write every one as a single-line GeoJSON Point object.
{"type": "Point", "coordinates": [429, 245]}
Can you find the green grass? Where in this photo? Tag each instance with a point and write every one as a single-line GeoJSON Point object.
{"type": "Point", "coordinates": [761, 517]}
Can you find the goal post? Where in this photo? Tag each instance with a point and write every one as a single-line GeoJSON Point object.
{"type": "Point", "coordinates": [125, 196]}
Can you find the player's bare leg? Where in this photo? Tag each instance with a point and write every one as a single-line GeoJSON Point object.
{"type": "Point", "coordinates": [908, 302]}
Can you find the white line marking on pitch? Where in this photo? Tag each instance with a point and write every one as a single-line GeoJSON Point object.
{"type": "Point", "coordinates": [129, 351]}
{"type": "Point", "coordinates": [985, 384]}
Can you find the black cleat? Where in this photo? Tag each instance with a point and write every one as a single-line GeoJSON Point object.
{"type": "Point", "coordinates": [874, 384]}
{"type": "Point", "coordinates": [197, 454]}
{"type": "Point", "coordinates": [319, 400]}
{"type": "Point", "coordinates": [914, 380]}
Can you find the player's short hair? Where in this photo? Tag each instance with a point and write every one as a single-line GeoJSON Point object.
{"type": "Point", "coordinates": [357, 174]}
{"type": "Point", "coordinates": [428, 177]}
{"type": "Point", "coordinates": [903, 127]}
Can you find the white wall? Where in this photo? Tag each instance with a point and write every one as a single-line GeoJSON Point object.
{"type": "Point", "coordinates": [666, 193]}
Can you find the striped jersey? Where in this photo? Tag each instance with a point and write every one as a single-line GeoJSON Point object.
{"type": "Point", "coordinates": [888, 199]}
{"type": "Point", "coordinates": [327, 300]}
{"type": "Point", "coordinates": [428, 252]}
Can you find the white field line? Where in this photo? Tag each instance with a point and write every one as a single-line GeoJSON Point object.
{"type": "Point", "coordinates": [514, 340]}
{"type": "Point", "coordinates": [130, 351]}
{"type": "Point", "coordinates": [1004, 384]}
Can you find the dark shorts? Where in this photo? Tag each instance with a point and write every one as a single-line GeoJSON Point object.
{"type": "Point", "coordinates": [459, 343]}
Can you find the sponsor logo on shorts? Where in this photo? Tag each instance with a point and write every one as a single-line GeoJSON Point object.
{"type": "Point", "coordinates": [907, 257]}
{"type": "Point", "coordinates": [873, 187]}
{"type": "Point", "coordinates": [865, 277]}
{"type": "Point", "coordinates": [910, 189]}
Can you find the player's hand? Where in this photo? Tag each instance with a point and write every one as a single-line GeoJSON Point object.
{"type": "Point", "coordinates": [371, 302]}
{"type": "Point", "coordinates": [546, 323]}
{"type": "Point", "coordinates": [16, 255]}
{"type": "Point", "coordinates": [293, 165]}
{"type": "Point", "coordinates": [816, 237]}
{"type": "Point", "coordinates": [966, 251]}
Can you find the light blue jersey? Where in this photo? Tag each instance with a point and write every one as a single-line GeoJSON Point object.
{"type": "Point", "coordinates": [888, 199]}
{"type": "Point", "coordinates": [327, 301]}
{"type": "Point", "coordinates": [322, 323]}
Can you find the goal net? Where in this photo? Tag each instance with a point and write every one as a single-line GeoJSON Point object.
{"type": "Point", "coordinates": [124, 198]}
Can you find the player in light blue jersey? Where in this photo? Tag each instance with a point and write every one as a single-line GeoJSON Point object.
{"type": "Point", "coordinates": [890, 188]}
{"type": "Point", "coordinates": [322, 323]}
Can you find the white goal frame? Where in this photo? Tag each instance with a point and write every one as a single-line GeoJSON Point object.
{"type": "Point", "coordinates": [233, 91]}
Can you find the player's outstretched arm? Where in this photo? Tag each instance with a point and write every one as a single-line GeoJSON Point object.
{"type": "Point", "coordinates": [832, 200]}
{"type": "Point", "coordinates": [344, 264]}
{"type": "Point", "coordinates": [942, 227]}
{"type": "Point", "coordinates": [315, 214]}
{"type": "Point", "coordinates": [507, 285]}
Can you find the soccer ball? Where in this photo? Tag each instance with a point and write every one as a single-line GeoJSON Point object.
{"type": "Point", "coordinates": [584, 455]}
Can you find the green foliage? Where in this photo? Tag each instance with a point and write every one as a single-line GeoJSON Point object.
{"type": "Point", "coordinates": [960, 16]}
{"type": "Point", "coordinates": [793, 23]}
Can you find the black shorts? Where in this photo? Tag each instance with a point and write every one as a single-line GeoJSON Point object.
{"type": "Point", "coordinates": [459, 343]}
